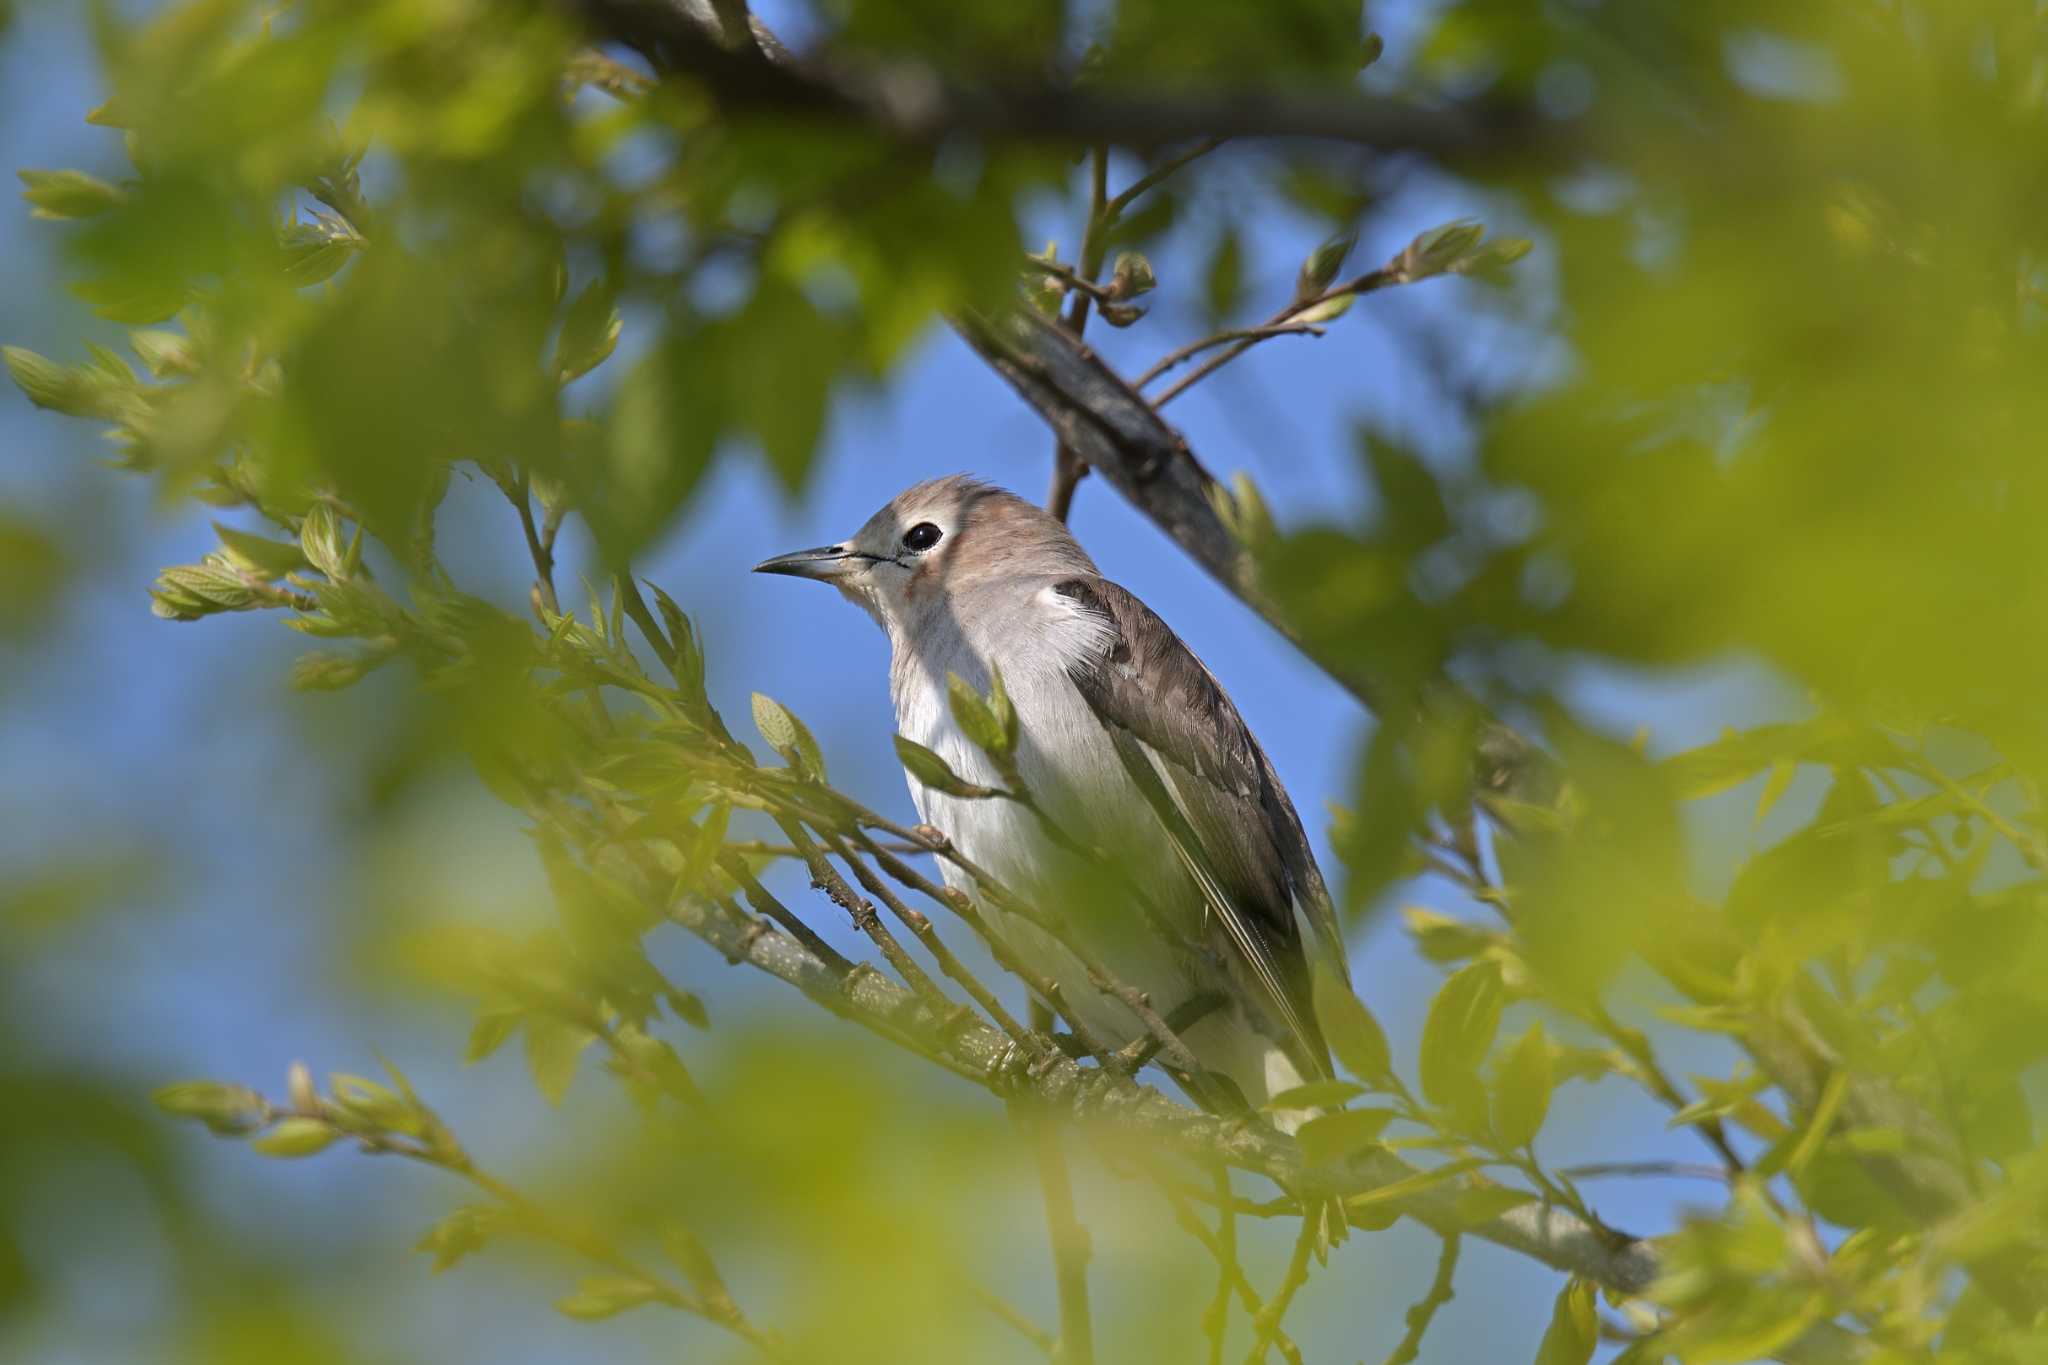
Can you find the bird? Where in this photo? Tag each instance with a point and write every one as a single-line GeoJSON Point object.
{"type": "Point", "coordinates": [1128, 746]}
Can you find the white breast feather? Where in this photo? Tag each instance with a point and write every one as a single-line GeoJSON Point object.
{"type": "Point", "coordinates": [1071, 766]}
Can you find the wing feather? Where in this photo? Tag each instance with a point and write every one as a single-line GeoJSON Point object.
{"type": "Point", "coordinates": [1214, 790]}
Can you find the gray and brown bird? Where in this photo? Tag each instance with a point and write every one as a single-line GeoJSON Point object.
{"type": "Point", "coordinates": [1127, 742]}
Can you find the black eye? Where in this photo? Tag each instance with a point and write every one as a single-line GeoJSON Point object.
{"type": "Point", "coordinates": [922, 536]}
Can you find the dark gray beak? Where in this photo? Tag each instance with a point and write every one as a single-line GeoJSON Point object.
{"type": "Point", "coordinates": [824, 563]}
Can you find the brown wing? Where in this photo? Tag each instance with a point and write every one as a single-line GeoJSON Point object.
{"type": "Point", "coordinates": [1214, 789]}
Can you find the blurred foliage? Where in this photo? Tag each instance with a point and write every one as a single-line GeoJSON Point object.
{"type": "Point", "coordinates": [1799, 272]}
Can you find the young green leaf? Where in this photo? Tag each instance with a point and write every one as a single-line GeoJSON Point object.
{"type": "Point", "coordinates": [261, 555]}
{"type": "Point", "coordinates": [552, 1049]}
{"type": "Point", "coordinates": [789, 737]}
{"type": "Point", "coordinates": [590, 333]}
{"type": "Point", "coordinates": [69, 194]}
{"type": "Point", "coordinates": [1319, 271]}
{"type": "Point", "coordinates": [1521, 1096]}
{"type": "Point", "coordinates": [489, 1033]}
{"type": "Point", "coordinates": [1314, 1095]}
{"type": "Point", "coordinates": [977, 718]}
{"type": "Point", "coordinates": [461, 1232]}
{"type": "Point", "coordinates": [692, 1259]}
{"type": "Point", "coordinates": [604, 1298]}
{"type": "Point", "coordinates": [1456, 1035]}
{"type": "Point", "coordinates": [295, 1137]}
{"type": "Point", "coordinates": [226, 1109]}
{"type": "Point", "coordinates": [1348, 1026]}
{"type": "Point", "coordinates": [932, 771]}
{"type": "Point", "coordinates": [1574, 1327]}
{"type": "Point", "coordinates": [1333, 1137]}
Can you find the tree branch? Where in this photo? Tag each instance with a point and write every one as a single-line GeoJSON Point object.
{"type": "Point", "coordinates": [916, 103]}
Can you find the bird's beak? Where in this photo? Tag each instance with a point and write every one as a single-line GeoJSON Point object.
{"type": "Point", "coordinates": [825, 563]}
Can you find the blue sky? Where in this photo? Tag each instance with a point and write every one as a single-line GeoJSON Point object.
{"type": "Point", "coordinates": [122, 732]}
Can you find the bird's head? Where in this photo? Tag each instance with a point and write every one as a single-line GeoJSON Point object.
{"type": "Point", "coordinates": [934, 541]}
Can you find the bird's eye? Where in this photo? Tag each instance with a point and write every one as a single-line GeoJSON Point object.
{"type": "Point", "coordinates": [922, 536]}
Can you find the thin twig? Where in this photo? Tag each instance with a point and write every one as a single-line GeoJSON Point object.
{"type": "Point", "coordinates": [1679, 1170]}
{"type": "Point", "coordinates": [1362, 284]}
{"type": "Point", "coordinates": [440, 1149]}
{"type": "Point", "coordinates": [1070, 1243]}
{"type": "Point", "coordinates": [540, 549]}
{"type": "Point", "coordinates": [1227, 1262]}
{"type": "Point", "coordinates": [1244, 334]}
{"type": "Point", "coordinates": [962, 905]}
{"type": "Point", "coordinates": [1266, 1322]}
{"type": "Point", "coordinates": [1003, 1309]}
{"type": "Point", "coordinates": [920, 925]}
{"type": "Point", "coordinates": [1420, 1315]}
{"type": "Point", "coordinates": [865, 918]}
{"type": "Point", "coordinates": [2030, 846]}
{"type": "Point", "coordinates": [1216, 1317]}
{"type": "Point", "coordinates": [1172, 1049]}
{"type": "Point", "coordinates": [1163, 171]}
{"type": "Point", "coordinates": [766, 904]}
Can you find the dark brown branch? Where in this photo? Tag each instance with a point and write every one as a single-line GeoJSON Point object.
{"type": "Point", "coordinates": [915, 103]}
{"type": "Point", "coordinates": [1068, 468]}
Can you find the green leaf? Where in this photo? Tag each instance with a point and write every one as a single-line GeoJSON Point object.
{"type": "Point", "coordinates": [460, 1233]}
{"type": "Point", "coordinates": [590, 332]}
{"type": "Point", "coordinates": [1490, 262]}
{"type": "Point", "coordinates": [1438, 250]}
{"type": "Point", "coordinates": [296, 1137]}
{"type": "Point", "coordinates": [1329, 310]}
{"type": "Point", "coordinates": [489, 1033]}
{"type": "Point", "coordinates": [320, 540]}
{"type": "Point", "coordinates": [1314, 1095]}
{"type": "Point", "coordinates": [1331, 1138]}
{"type": "Point", "coordinates": [164, 354]}
{"type": "Point", "coordinates": [1349, 1027]}
{"type": "Point", "coordinates": [932, 771]}
{"type": "Point", "coordinates": [701, 849]}
{"type": "Point", "coordinates": [75, 392]}
{"type": "Point", "coordinates": [1319, 271]}
{"type": "Point", "coordinates": [1574, 1327]}
{"type": "Point", "coordinates": [692, 1259]}
{"type": "Point", "coordinates": [1004, 710]}
{"type": "Point", "coordinates": [552, 1049]}
{"type": "Point", "coordinates": [1441, 938]}
{"type": "Point", "coordinates": [977, 718]}
{"type": "Point", "coordinates": [1782, 772]}
{"type": "Point", "coordinates": [69, 194]}
{"type": "Point", "coordinates": [1521, 1097]}
{"type": "Point", "coordinates": [1456, 1035]}
{"type": "Point", "coordinates": [371, 1105]}
{"type": "Point", "coordinates": [325, 671]}
{"type": "Point", "coordinates": [1413, 1184]}
{"type": "Point", "coordinates": [604, 1298]}
{"type": "Point", "coordinates": [226, 1109]}
{"type": "Point", "coordinates": [259, 554]}
{"type": "Point", "coordinates": [788, 736]}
